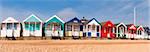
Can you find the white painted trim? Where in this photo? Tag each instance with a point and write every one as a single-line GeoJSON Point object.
{"type": "Point", "coordinates": [118, 29]}
{"type": "Point", "coordinates": [56, 17]}
{"type": "Point", "coordinates": [10, 18]}
{"type": "Point", "coordinates": [141, 27]}
{"type": "Point", "coordinates": [122, 24]}
{"type": "Point", "coordinates": [34, 16]}
{"type": "Point", "coordinates": [93, 22]}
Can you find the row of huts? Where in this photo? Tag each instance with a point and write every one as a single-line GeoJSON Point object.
{"type": "Point", "coordinates": [32, 26]}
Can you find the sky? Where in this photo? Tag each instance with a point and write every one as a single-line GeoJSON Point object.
{"type": "Point", "coordinates": [103, 10]}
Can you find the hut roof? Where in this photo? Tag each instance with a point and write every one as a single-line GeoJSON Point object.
{"type": "Point", "coordinates": [93, 22]}
{"type": "Point", "coordinates": [131, 26]}
{"type": "Point", "coordinates": [74, 20]}
{"type": "Point", "coordinates": [32, 18]}
{"type": "Point", "coordinates": [10, 20]}
{"type": "Point", "coordinates": [104, 24]}
{"type": "Point", "coordinates": [55, 19]}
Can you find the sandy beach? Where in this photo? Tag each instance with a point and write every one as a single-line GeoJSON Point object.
{"type": "Point", "coordinates": [75, 46]}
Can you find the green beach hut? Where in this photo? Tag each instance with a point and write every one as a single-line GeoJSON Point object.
{"type": "Point", "coordinates": [54, 27]}
{"type": "Point", "coordinates": [32, 26]}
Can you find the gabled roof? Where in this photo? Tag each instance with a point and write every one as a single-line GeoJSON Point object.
{"type": "Point", "coordinates": [140, 28]}
{"type": "Point", "coordinates": [56, 18]}
{"type": "Point", "coordinates": [117, 25]}
{"type": "Point", "coordinates": [147, 29]}
{"type": "Point", "coordinates": [32, 18]}
{"type": "Point", "coordinates": [107, 23]}
{"type": "Point", "coordinates": [10, 20]}
{"type": "Point", "coordinates": [131, 26]}
{"type": "Point", "coordinates": [90, 21]}
{"type": "Point", "coordinates": [74, 20]}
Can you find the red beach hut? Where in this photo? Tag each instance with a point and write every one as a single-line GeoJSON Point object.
{"type": "Point", "coordinates": [108, 30]}
{"type": "Point", "coordinates": [131, 30]}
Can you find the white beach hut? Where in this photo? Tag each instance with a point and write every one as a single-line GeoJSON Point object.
{"type": "Point", "coordinates": [93, 28]}
{"type": "Point", "coordinates": [10, 28]}
{"type": "Point", "coordinates": [121, 30]}
{"type": "Point", "coordinates": [140, 32]}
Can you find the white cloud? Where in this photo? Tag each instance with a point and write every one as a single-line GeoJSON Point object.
{"type": "Point", "coordinates": [67, 12]}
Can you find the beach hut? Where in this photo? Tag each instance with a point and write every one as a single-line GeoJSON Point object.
{"type": "Point", "coordinates": [54, 27]}
{"type": "Point", "coordinates": [72, 28]}
{"type": "Point", "coordinates": [131, 28]}
{"type": "Point", "coordinates": [10, 28]}
{"type": "Point", "coordinates": [108, 30]}
{"type": "Point", "coordinates": [147, 32]}
{"type": "Point", "coordinates": [121, 30]}
{"type": "Point", "coordinates": [140, 34]}
{"type": "Point", "coordinates": [32, 26]}
{"type": "Point", "coordinates": [93, 28]}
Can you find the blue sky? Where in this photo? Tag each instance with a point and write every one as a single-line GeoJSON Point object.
{"type": "Point", "coordinates": [103, 10]}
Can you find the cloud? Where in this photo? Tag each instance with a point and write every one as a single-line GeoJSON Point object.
{"type": "Point", "coordinates": [67, 13]}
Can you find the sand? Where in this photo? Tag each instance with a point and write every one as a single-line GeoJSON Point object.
{"type": "Point", "coordinates": [75, 46]}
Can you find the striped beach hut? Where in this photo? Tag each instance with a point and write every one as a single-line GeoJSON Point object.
{"type": "Point", "coordinates": [10, 28]}
{"type": "Point", "coordinates": [131, 28]}
{"type": "Point", "coordinates": [140, 34]}
{"type": "Point", "coordinates": [93, 28]}
{"type": "Point", "coordinates": [121, 30]}
{"type": "Point", "coordinates": [32, 26]}
{"type": "Point", "coordinates": [108, 30]}
{"type": "Point", "coordinates": [54, 27]}
{"type": "Point", "coordinates": [72, 28]}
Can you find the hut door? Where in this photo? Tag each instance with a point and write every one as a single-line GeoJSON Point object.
{"type": "Point", "coordinates": [9, 29]}
{"type": "Point", "coordinates": [32, 29]}
{"type": "Point", "coordinates": [76, 30]}
{"type": "Point", "coordinates": [109, 32]}
{"type": "Point", "coordinates": [121, 31]}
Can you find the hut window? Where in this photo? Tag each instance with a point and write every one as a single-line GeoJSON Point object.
{"type": "Point", "coordinates": [3, 26]}
{"type": "Point", "coordinates": [132, 31]}
{"type": "Point", "coordinates": [81, 27]}
{"type": "Point", "coordinates": [47, 27]}
{"type": "Point", "coordinates": [57, 27]}
{"type": "Point", "coordinates": [139, 32]}
{"type": "Point", "coordinates": [50, 27]}
{"type": "Point", "coordinates": [9, 26]}
{"type": "Point", "coordinates": [89, 27]}
{"type": "Point", "coordinates": [75, 21]}
{"type": "Point", "coordinates": [105, 30]}
{"type": "Point", "coordinates": [37, 26]}
{"type": "Point", "coordinates": [61, 27]}
{"type": "Point", "coordinates": [121, 29]}
{"type": "Point", "coordinates": [93, 27]}
{"type": "Point", "coordinates": [110, 30]}
{"type": "Point", "coordinates": [27, 26]}
{"type": "Point", "coordinates": [69, 28]}
{"type": "Point", "coordinates": [97, 28]}
{"type": "Point", "coordinates": [76, 28]}
{"type": "Point", "coordinates": [15, 26]}
{"type": "Point", "coordinates": [32, 27]}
